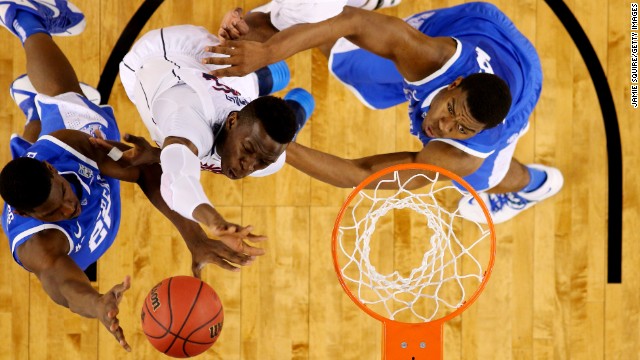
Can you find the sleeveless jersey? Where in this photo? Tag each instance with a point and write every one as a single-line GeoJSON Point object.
{"type": "Point", "coordinates": [91, 233]}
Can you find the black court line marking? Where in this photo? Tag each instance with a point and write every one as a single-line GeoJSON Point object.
{"type": "Point", "coordinates": [580, 39]}
{"type": "Point", "coordinates": [612, 131]}
{"type": "Point", "coordinates": [122, 46]}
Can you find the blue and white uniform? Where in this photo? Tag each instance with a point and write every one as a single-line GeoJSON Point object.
{"type": "Point", "coordinates": [93, 232]}
{"type": "Point", "coordinates": [487, 41]}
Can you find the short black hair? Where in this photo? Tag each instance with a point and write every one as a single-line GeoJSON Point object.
{"type": "Point", "coordinates": [488, 98]}
{"type": "Point", "coordinates": [25, 183]}
{"type": "Point", "coordinates": [277, 118]}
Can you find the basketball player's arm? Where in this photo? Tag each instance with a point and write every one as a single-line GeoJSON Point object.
{"type": "Point", "coordinates": [45, 254]}
{"type": "Point", "coordinates": [348, 173]}
{"type": "Point", "coordinates": [184, 194]}
{"type": "Point", "coordinates": [416, 55]}
{"type": "Point", "coordinates": [148, 177]}
{"type": "Point", "coordinates": [203, 249]}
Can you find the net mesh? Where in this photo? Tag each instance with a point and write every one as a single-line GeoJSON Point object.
{"type": "Point", "coordinates": [447, 274]}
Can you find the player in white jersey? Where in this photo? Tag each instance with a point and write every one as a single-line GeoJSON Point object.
{"type": "Point", "coordinates": [205, 123]}
{"type": "Point", "coordinates": [470, 77]}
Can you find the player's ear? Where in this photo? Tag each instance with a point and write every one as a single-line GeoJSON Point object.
{"type": "Point", "coordinates": [455, 83]}
{"type": "Point", "coordinates": [52, 170]}
{"type": "Point", "coordinates": [232, 120]}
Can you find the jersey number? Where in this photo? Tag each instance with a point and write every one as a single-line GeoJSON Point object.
{"type": "Point", "coordinates": [103, 224]}
{"type": "Point", "coordinates": [483, 61]}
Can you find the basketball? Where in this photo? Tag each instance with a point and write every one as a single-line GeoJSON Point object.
{"type": "Point", "coordinates": [182, 316]}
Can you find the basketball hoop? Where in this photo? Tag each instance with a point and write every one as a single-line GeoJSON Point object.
{"type": "Point", "coordinates": [412, 305]}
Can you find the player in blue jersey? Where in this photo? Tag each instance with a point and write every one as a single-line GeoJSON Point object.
{"type": "Point", "coordinates": [61, 191]}
{"type": "Point", "coordinates": [471, 79]}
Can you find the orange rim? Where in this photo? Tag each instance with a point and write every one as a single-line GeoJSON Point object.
{"type": "Point", "coordinates": [413, 166]}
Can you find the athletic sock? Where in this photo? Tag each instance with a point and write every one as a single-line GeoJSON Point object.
{"type": "Point", "coordinates": [265, 81]}
{"type": "Point", "coordinates": [537, 178]}
{"type": "Point", "coordinates": [27, 24]}
{"type": "Point", "coordinates": [273, 77]}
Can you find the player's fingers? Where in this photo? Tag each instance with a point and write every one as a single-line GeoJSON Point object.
{"type": "Point", "coordinates": [242, 27]}
{"type": "Point", "coordinates": [235, 257]}
{"type": "Point", "coordinates": [119, 335]}
{"type": "Point", "coordinates": [135, 140]}
{"type": "Point", "coordinates": [223, 34]}
{"type": "Point", "coordinates": [226, 72]}
{"type": "Point", "coordinates": [253, 251]}
{"type": "Point", "coordinates": [100, 144]}
{"type": "Point", "coordinates": [119, 289]}
{"type": "Point", "coordinates": [233, 32]}
{"type": "Point", "coordinates": [223, 264]}
{"type": "Point", "coordinates": [256, 238]}
{"type": "Point", "coordinates": [114, 325]}
{"type": "Point", "coordinates": [98, 134]}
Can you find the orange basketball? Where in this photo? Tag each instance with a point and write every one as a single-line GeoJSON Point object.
{"type": "Point", "coordinates": [182, 316]}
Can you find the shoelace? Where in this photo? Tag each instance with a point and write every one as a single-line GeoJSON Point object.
{"type": "Point", "coordinates": [513, 200]}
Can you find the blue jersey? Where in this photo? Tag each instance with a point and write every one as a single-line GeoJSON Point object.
{"type": "Point", "coordinates": [487, 41]}
{"type": "Point", "coordinates": [93, 232]}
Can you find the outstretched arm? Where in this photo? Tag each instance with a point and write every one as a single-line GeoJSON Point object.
{"type": "Point", "coordinates": [416, 55]}
{"type": "Point", "coordinates": [45, 254]}
{"type": "Point", "coordinates": [203, 250]}
{"type": "Point", "coordinates": [232, 250]}
{"type": "Point", "coordinates": [347, 173]}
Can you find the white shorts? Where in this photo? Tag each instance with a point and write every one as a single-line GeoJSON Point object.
{"type": "Point", "coordinates": [74, 111]}
{"type": "Point", "coordinates": [286, 13]}
{"type": "Point", "coordinates": [181, 45]}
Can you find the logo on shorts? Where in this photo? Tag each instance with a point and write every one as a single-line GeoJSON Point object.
{"type": "Point", "coordinates": [85, 171]}
{"type": "Point", "coordinates": [31, 155]}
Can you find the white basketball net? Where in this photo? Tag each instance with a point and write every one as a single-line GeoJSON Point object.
{"type": "Point", "coordinates": [439, 280]}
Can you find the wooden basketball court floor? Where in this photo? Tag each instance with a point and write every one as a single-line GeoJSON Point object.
{"type": "Point", "coordinates": [548, 297]}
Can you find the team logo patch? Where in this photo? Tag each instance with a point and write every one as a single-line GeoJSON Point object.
{"type": "Point", "coordinates": [31, 155]}
{"type": "Point", "coordinates": [85, 171]}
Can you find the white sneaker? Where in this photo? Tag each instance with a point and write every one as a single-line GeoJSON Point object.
{"type": "Point", "coordinates": [505, 206]}
{"type": "Point", "coordinates": [59, 17]}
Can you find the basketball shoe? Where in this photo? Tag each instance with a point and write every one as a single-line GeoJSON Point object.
{"type": "Point", "coordinates": [303, 104]}
{"type": "Point", "coordinates": [505, 206]}
{"type": "Point", "coordinates": [24, 94]}
{"type": "Point", "coordinates": [59, 17]}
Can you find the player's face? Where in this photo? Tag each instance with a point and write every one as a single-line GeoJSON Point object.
{"type": "Point", "coordinates": [248, 148]}
{"type": "Point", "coordinates": [62, 203]}
{"type": "Point", "coordinates": [449, 116]}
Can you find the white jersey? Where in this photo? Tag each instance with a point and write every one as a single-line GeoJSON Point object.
{"type": "Point", "coordinates": [175, 96]}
